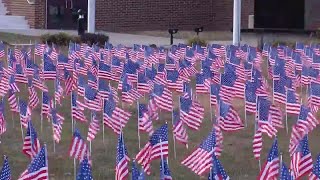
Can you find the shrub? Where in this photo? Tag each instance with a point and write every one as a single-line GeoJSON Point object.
{"type": "Point", "coordinates": [283, 43]}
{"type": "Point", "coordinates": [98, 39]}
{"type": "Point", "coordinates": [63, 39]}
{"type": "Point", "coordinates": [153, 46]}
{"type": "Point", "coordinates": [197, 40]}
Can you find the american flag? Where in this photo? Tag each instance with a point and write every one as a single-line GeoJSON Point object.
{"type": "Point", "coordinates": [250, 97]}
{"type": "Point", "coordinates": [94, 127]}
{"type": "Point", "coordinates": [39, 49]}
{"type": "Point", "coordinates": [2, 49]}
{"type": "Point", "coordinates": [3, 124]}
{"type": "Point", "coordinates": [104, 71]}
{"type": "Point", "coordinates": [264, 117]}
{"type": "Point", "coordinates": [58, 91]}
{"type": "Point", "coordinates": [200, 84]}
{"type": "Point", "coordinates": [5, 173]}
{"type": "Point", "coordinates": [165, 173]}
{"type": "Point", "coordinates": [179, 131]}
{"type": "Point", "coordinates": [4, 88]}
{"type": "Point", "coordinates": [156, 147]}
{"type": "Point", "coordinates": [46, 103]}
{"type": "Point", "coordinates": [84, 171]}
{"type": "Point", "coordinates": [145, 123]}
{"type": "Point", "coordinates": [78, 148]}
{"type": "Point", "coordinates": [305, 124]}
{"type": "Point", "coordinates": [49, 69]}
{"type": "Point", "coordinates": [92, 80]}
{"type": "Point", "coordinates": [14, 107]}
{"type": "Point", "coordinates": [113, 116]}
{"type": "Point", "coordinates": [68, 81]}
{"type": "Point", "coordinates": [257, 143]}
{"type": "Point", "coordinates": [144, 85]}
{"type": "Point", "coordinates": [135, 174]}
{"type": "Point", "coordinates": [25, 113]}
{"type": "Point", "coordinates": [292, 105]}
{"type": "Point", "coordinates": [77, 109]}
{"type": "Point", "coordinates": [38, 168]}
{"type": "Point", "coordinates": [314, 94]}
{"type": "Point", "coordinates": [315, 174]}
{"type": "Point", "coordinates": [91, 99]}
{"type": "Point", "coordinates": [217, 171]}
{"type": "Point", "coordinates": [200, 160]}
{"type": "Point", "coordinates": [214, 94]}
{"type": "Point", "coordinates": [270, 169]}
{"type": "Point", "coordinates": [12, 84]}
{"type": "Point", "coordinates": [31, 144]}
{"type": "Point", "coordinates": [33, 96]}
{"type": "Point", "coordinates": [190, 114]}
{"type": "Point", "coordinates": [122, 170]}
{"type": "Point", "coordinates": [301, 160]}
{"type": "Point", "coordinates": [57, 123]}
{"type": "Point", "coordinates": [228, 118]}
{"type": "Point", "coordinates": [129, 93]}
{"type": "Point", "coordinates": [162, 97]}
{"type": "Point", "coordinates": [285, 173]}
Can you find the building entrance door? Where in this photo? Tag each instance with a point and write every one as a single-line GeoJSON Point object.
{"type": "Point", "coordinates": [62, 14]}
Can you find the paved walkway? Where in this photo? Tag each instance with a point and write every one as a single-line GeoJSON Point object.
{"type": "Point", "coordinates": [116, 38]}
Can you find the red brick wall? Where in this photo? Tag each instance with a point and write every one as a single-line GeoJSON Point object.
{"type": "Point", "coordinates": [34, 13]}
{"type": "Point", "coordinates": [312, 15]}
{"type": "Point", "coordinates": [134, 15]}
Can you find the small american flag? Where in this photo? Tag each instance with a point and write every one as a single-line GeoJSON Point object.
{"type": "Point", "coordinates": [285, 173]}
{"type": "Point", "coordinates": [257, 144]}
{"type": "Point", "coordinates": [38, 168]}
{"type": "Point", "coordinates": [3, 124]}
{"type": "Point", "coordinates": [113, 116]}
{"type": "Point", "coordinates": [200, 160]}
{"type": "Point", "coordinates": [91, 99]}
{"type": "Point", "coordinates": [76, 109]}
{"type": "Point", "coordinates": [156, 147]}
{"type": "Point", "coordinates": [31, 144]}
{"type": "Point", "coordinates": [14, 107]}
{"type": "Point", "coordinates": [122, 170]}
{"type": "Point", "coordinates": [217, 171]}
{"type": "Point", "coordinates": [25, 113]}
{"type": "Point", "coordinates": [84, 170]}
{"type": "Point", "coordinates": [5, 173]}
{"type": "Point", "coordinates": [162, 97]}
{"type": "Point", "coordinates": [78, 148]}
{"type": "Point", "coordinates": [145, 123]}
{"type": "Point", "coordinates": [228, 118]}
{"type": "Point", "coordinates": [190, 114]}
{"type": "Point", "coordinates": [301, 160]}
{"type": "Point", "coordinates": [315, 174]}
{"type": "Point", "coordinates": [270, 169]}
{"type": "Point", "coordinates": [94, 127]}
{"type": "Point", "coordinates": [57, 122]}
{"type": "Point", "coordinates": [165, 173]}
{"type": "Point", "coordinates": [33, 97]}
{"type": "Point", "coordinates": [179, 131]}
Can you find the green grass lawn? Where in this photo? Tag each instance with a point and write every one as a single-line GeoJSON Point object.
{"type": "Point", "coordinates": [237, 156]}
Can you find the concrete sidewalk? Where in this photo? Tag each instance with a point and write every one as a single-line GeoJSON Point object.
{"type": "Point", "coordinates": [116, 38]}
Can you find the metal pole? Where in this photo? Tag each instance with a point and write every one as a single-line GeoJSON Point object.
{"type": "Point", "coordinates": [236, 21]}
{"type": "Point", "coordinates": [91, 15]}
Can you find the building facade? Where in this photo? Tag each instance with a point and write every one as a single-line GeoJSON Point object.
{"type": "Point", "coordinates": [146, 15]}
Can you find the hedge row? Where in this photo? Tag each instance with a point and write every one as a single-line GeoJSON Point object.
{"type": "Point", "coordinates": [63, 39]}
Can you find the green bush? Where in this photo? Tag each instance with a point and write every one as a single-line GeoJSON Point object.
{"type": "Point", "coordinates": [284, 43]}
{"type": "Point", "coordinates": [197, 40]}
{"type": "Point", "coordinates": [98, 39]}
{"type": "Point", "coordinates": [63, 39]}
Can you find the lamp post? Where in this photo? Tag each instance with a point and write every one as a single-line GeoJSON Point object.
{"type": "Point", "coordinates": [91, 15]}
{"type": "Point", "coordinates": [198, 30]}
{"type": "Point", "coordinates": [171, 32]}
{"type": "Point", "coordinates": [236, 22]}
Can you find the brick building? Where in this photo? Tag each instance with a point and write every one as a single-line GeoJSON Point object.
{"type": "Point", "coordinates": [137, 15]}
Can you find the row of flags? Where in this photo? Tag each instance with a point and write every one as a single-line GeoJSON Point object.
{"type": "Point", "coordinates": [98, 79]}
